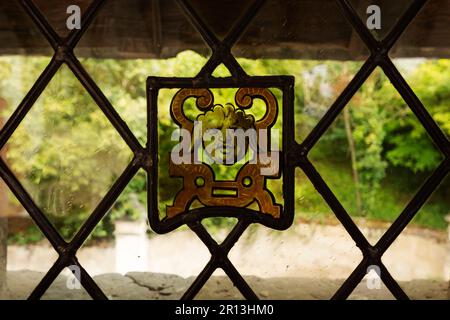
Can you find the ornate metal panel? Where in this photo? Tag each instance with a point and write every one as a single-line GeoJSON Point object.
{"type": "Point", "coordinates": [199, 181]}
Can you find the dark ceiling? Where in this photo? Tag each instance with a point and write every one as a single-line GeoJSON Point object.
{"type": "Point", "coordinates": [305, 29]}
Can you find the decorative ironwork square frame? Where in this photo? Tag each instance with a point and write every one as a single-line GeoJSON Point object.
{"type": "Point", "coordinates": [286, 85]}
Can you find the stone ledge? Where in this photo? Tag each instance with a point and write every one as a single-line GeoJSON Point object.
{"type": "Point", "coordinates": [157, 286]}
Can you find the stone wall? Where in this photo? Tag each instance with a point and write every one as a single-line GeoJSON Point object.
{"type": "Point", "coordinates": [3, 243]}
{"type": "Point", "coordinates": [305, 250]}
{"type": "Point", "coordinates": [3, 221]}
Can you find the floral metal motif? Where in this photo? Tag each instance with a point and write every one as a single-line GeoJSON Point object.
{"type": "Point", "coordinates": [199, 181]}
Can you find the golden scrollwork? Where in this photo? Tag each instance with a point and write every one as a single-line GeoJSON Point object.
{"type": "Point", "coordinates": [199, 181]}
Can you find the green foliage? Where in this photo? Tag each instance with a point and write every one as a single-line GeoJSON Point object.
{"type": "Point", "coordinates": [68, 154]}
{"type": "Point", "coordinates": [29, 236]}
{"type": "Point", "coordinates": [407, 144]}
{"type": "Point", "coordinates": [369, 135]}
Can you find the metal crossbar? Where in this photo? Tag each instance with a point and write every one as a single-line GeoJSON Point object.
{"type": "Point", "coordinates": [296, 155]}
{"type": "Point", "coordinates": [64, 54]}
{"type": "Point", "coordinates": [219, 259]}
{"type": "Point", "coordinates": [379, 57]}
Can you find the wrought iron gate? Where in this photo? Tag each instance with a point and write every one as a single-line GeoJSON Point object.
{"type": "Point", "coordinates": [294, 154]}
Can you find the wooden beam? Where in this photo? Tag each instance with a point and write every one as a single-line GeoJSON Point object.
{"type": "Point", "coordinates": [284, 29]}
{"type": "Point", "coordinates": [356, 46]}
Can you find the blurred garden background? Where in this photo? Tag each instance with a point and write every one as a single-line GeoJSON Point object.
{"type": "Point", "coordinates": [374, 157]}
